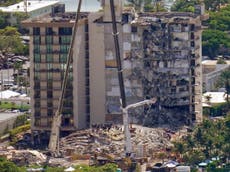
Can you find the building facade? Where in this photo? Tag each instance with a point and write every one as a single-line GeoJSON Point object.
{"type": "Point", "coordinates": [161, 59]}
{"type": "Point", "coordinates": [49, 46]}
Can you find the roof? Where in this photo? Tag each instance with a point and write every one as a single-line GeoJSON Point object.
{"type": "Point", "coordinates": [216, 97]}
{"type": "Point", "coordinates": [8, 94]}
{"type": "Point", "coordinates": [213, 62]}
{"type": "Point", "coordinates": [7, 115]}
{"type": "Point", "coordinates": [66, 19]}
{"type": "Point", "coordinates": [32, 6]}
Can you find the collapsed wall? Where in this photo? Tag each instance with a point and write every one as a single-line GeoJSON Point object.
{"type": "Point", "coordinates": [164, 63]}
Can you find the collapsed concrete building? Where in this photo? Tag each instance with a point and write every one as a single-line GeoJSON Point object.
{"type": "Point", "coordinates": [161, 59]}
{"type": "Point", "coordinates": [165, 61]}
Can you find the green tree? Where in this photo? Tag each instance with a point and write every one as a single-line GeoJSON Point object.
{"type": "Point", "coordinates": [10, 41]}
{"type": "Point", "coordinates": [184, 6]}
{"type": "Point", "coordinates": [7, 166]}
{"type": "Point", "coordinates": [212, 41]}
{"type": "Point", "coordinates": [179, 147]}
{"type": "Point", "coordinates": [214, 5]}
{"type": "Point", "coordinates": [194, 157]}
{"type": "Point", "coordinates": [190, 142]}
{"type": "Point", "coordinates": [221, 61]}
{"type": "Point", "coordinates": [147, 5]}
{"type": "Point", "coordinates": [3, 19]}
{"type": "Point", "coordinates": [224, 81]}
{"type": "Point", "coordinates": [188, 5]}
{"type": "Point", "coordinates": [8, 2]}
{"type": "Point", "coordinates": [109, 167]}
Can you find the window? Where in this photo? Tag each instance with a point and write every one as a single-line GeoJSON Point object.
{"type": "Point", "coordinates": [49, 75]}
{"type": "Point", "coordinates": [37, 104]}
{"type": "Point", "coordinates": [37, 49]}
{"type": "Point", "coordinates": [49, 39]}
{"type": "Point", "coordinates": [192, 35]}
{"type": "Point", "coordinates": [37, 58]}
{"type": "Point", "coordinates": [37, 94]}
{"type": "Point", "coordinates": [36, 75]}
{"type": "Point", "coordinates": [36, 84]}
{"type": "Point", "coordinates": [70, 76]}
{"type": "Point", "coordinates": [49, 48]}
{"type": "Point", "coordinates": [125, 18]}
{"type": "Point", "coordinates": [36, 31]}
{"type": "Point", "coordinates": [37, 112]}
{"type": "Point", "coordinates": [49, 111]}
{"type": "Point", "coordinates": [65, 31]}
{"type": "Point", "coordinates": [37, 67]}
{"type": "Point", "coordinates": [67, 111]}
{"type": "Point", "coordinates": [133, 29]}
{"type": "Point", "coordinates": [68, 94]}
{"type": "Point", "coordinates": [37, 121]}
{"type": "Point", "coordinates": [68, 103]}
{"type": "Point", "coordinates": [69, 85]}
{"type": "Point", "coordinates": [49, 66]}
{"type": "Point", "coordinates": [49, 94]}
{"type": "Point", "coordinates": [49, 58]}
{"type": "Point", "coordinates": [63, 58]}
{"type": "Point", "coordinates": [192, 44]}
{"type": "Point", "coordinates": [192, 27]}
{"type": "Point", "coordinates": [65, 39]}
{"type": "Point", "coordinates": [64, 48]}
{"type": "Point", "coordinates": [37, 40]}
{"type": "Point", "coordinates": [193, 62]}
{"type": "Point", "coordinates": [49, 31]}
{"type": "Point", "coordinates": [49, 84]}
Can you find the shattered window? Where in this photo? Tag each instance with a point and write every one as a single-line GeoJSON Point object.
{"type": "Point", "coordinates": [133, 29]}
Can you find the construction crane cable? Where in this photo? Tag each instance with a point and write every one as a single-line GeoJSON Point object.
{"type": "Point", "coordinates": [118, 56]}
{"type": "Point", "coordinates": [69, 56]}
{"type": "Point", "coordinates": [56, 123]}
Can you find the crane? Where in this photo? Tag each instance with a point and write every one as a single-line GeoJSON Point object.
{"type": "Point", "coordinates": [56, 123]}
{"type": "Point", "coordinates": [124, 107]}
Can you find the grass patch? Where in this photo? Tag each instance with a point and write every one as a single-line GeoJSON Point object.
{"type": "Point", "coordinates": [14, 132]}
{"type": "Point", "coordinates": [12, 106]}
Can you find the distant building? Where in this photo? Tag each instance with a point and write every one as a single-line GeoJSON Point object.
{"type": "Point", "coordinates": [211, 73]}
{"type": "Point", "coordinates": [161, 58]}
{"type": "Point", "coordinates": [7, 120]}
{"type": "Point", "coordinates": [33, 8]}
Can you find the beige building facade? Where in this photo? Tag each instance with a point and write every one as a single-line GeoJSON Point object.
{"type": "Point", "coordinates": [161, 56]}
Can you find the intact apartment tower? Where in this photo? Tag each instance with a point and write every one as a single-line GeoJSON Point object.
{"type": "Point", "coordinates": [161, 58]}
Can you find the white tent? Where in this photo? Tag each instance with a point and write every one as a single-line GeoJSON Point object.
{"type": "Point", "coordinates": [215, 97]}
{"type": "Point", "coordinates": [202, 164]}
{"type": "Point", "coordinates": [69, 169]}
{"type": "Point", "coordinates": [8, 94]}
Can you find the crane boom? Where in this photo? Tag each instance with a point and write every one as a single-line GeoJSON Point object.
{"type": "Point", "coordinates": [125, 108]}
{"type": "Point", "coordinates": [118, 55]}
{"type": "Point", "coordinates": [127, 147]}
{"type": "Point", "coordinates": [56, 123]}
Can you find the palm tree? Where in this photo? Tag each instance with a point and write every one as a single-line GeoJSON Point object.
{"type": "Point", "coordinates": [147, 5]}
{"type": "Point", "coordinates": [224, 81]}
{"type": "Point", "coordinates": [179, 147]}
{"type": "Point", "coordinates": [17, 67]}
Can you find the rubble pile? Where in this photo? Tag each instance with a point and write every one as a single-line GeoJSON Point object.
{"type": "Point", "coordinates": [23, 157]}
{"type": "Point", "coordinates": [111, 141]}
{"type": "Point", "coordinates": [28, 157]}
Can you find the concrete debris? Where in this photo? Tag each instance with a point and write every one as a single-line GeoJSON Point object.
{"type": "Point", "coordinates": [23, 157]}
{"type": "Point", "coordinates": [111, 141]}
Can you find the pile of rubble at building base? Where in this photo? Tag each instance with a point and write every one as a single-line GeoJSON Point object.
{"type": "Point", "coordinates": [23, 157]}
{"type": "Point", "coordinates": [111, 141]}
